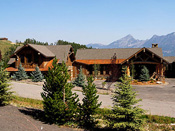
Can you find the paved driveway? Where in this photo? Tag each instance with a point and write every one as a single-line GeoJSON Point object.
{"type": "Point", "coordinates": [158, 99]}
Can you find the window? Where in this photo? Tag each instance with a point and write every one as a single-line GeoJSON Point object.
{"type": "Point", "coordinates": [29, 58]}
{"type": "Point", "coordinates": [36, 59]}
{"type": "Point", "coordinates": [22, 58]}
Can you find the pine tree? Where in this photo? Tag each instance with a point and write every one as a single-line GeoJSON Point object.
{"type": "Point", "coordinates": [80, 80]}
{"type": "Point", "coordinates": [20, 74]}
{"type": "Point", "coordinates": [37, 75]}
{"type": "Point", "coordinates": [5, 94]}
{"type": "Point", "coordinates": [60, 104]}
{"type": "Point", "coordinates": [132, 70]}
{"type": "Point", "coordinates": [126, 115]}
{"type": "Point", "coordinates": [96, 69]}
{"type": "Point", "coordinates": [90, 103]}
{"type": "Point", "coordinates": [144, 75]}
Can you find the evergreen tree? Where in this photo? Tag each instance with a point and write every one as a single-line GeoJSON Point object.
{"type": "Point", "coordinates": [8, 52]}
{"type": "Point", "coordinates": [132, 70]}
{"type": "Point", "coordinates": [37, 75]}
{"type": "Point", "coordinates": [126, 116]}
{"type": "Point", "coordinates": [80, 80]}
{"type": "Point", "coordinates": [20, 74]}
{"type": "Point", "coordinates": [33, 41]}
{"type": "Point", "coordinates": [5, 94]}
{"type": "Point", "coordinates": [60, 104]}
{"type": "Point", "coordinates": [96, 69]}
{"type": "Point", "coordinates": [73, 44]}
{"type": "Point", "coordinates": [90, 103]}
{"type": "Point", "coordinates": [144, 75]}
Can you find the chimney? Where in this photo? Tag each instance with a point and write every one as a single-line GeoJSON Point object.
{"type": "Point", "coordinates": [154, 45]}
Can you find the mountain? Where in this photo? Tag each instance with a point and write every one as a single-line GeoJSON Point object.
{"type": "Point", "coordinates": [166, 42]}
{"type": "Point", "coordinates": [96, 45]}
{"type": "Point", "coordinates": [126, 42]}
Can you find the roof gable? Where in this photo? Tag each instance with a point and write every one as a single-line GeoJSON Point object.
{"type": "Point", "coordinates": [39, 48]}
{"type": "Point", "coordinates": [58, 51]}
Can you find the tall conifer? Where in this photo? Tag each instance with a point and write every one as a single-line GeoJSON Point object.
{"type": "Point", "coordinates": [127, 116]}
{"type": "Point", "coordinates": [90, 103]}
{"type": "Point", "coordinates": [5, 94]}
{"type": "Point", "coordinates": [60, 104]}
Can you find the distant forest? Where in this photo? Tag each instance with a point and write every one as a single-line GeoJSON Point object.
{"type": "Point", "coordinates": [59, 42]}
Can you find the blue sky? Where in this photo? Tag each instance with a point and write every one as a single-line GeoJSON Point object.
{"type": "Point", "coordinates": [85, 21]}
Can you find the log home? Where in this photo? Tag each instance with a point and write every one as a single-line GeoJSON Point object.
{"type": "Point", "coordinates": [111, 61]}
{"type": "Point", "coordinates": [31, 55]}
{"type": "Point", "coordinates": [170, 70]}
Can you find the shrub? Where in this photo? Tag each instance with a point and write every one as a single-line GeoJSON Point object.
{"type": "Point", "coordinates": [80, 80]}
{"type": "Point", "coordinates": [135, 81]}
{"type": "Point", "coordinates": [152, 81]}
{"type": "Point", "coordinates": [20, 74]}
{"type": "Point", "coordinates": [144, 75]}
{"type": "Point", "coordinates": [37, 75]}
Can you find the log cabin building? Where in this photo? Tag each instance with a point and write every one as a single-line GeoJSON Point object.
{"type": "Point", "coordinates": [111, 61]}
{"type": "Point", "coordinates": [31, 55]}
{"type": "Point", "coordinates": [170, 70]}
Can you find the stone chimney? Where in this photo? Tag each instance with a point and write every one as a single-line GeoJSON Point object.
{"type": "Point", "coordinates": [154, 45]}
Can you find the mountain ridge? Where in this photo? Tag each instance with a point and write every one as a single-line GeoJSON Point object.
{"type": "Point", "coordinates": [166, 42]}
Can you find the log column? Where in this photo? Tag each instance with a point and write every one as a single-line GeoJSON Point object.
{"type": "Point", "coordinates": [128, 71]}
{"type": "Point", "coordinates": [17, 61]}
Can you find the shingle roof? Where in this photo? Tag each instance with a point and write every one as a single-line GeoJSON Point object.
{"type": "Point", "coordinates": [170, 59]}
{"type": "Point", "coordinates": [43, 50]}
{"type": "Point", "coordinates": [40, 48]}
{"type": "Point", "coordinates": [60, 51]}
{"type": "Point", "coordinates": [121, 53]}
{"type": "Point", "coordinates": [11, 61]}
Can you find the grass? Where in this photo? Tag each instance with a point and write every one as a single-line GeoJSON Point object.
{"type": "Point", "coordinates": [152, 122]}
{"type": "Point", "coordinates": [4, 45]}
{"type": "Point", "coordinates": [27, 102]}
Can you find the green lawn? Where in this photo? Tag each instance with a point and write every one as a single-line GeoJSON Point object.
{"type": "Point", "coordinates": [4, 45]}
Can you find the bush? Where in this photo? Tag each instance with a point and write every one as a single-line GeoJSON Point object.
{"type": "Point", "coordinates": [80, 80]}
{"type": "Point", "coordinates": [37, 75]}
{"type": "Point", "coordinates": [135, 81]}
{"type": "Point", "coordinates": [144, 76]}
{"type": "Point", "coordinates": [20, 74]}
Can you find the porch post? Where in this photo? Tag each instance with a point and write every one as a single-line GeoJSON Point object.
{"type": "Point", "coordinates": [128, 71]}
{"type": "Point", "coordinates": [162, 70]}
{"type": "Point", "coordinates": [17, 61]}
